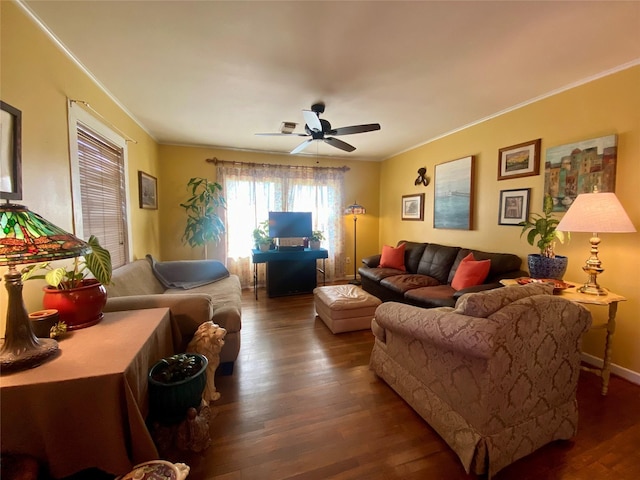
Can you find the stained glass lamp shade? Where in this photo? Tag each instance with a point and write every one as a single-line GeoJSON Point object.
{"type": "Point", "coordinates": [26, 237]}
{"type": "Point", "coordinates": [354, 209]}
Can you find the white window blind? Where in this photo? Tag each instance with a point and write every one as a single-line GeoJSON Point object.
{"type": "Point", "coordinates": [102, 193]}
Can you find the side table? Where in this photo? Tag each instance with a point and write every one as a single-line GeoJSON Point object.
{"type": "Point", "coordinates": [611, 300]}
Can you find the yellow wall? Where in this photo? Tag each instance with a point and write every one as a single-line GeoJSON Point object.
{"type": "Point", "coordinates": [610, 105]}
{"type": "Point", "coordinates": [178, 164]}
{"type": "Point", "coordinates": [36, 77]}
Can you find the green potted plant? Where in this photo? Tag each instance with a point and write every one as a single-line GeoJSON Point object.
{"type": "Point", "coordinates": [542, 227]}
{"type": "Point", "coordinates": [176, 384]}
{"type": "Point", "coordinates": [204, 225]}
{"type": "Point", "coordinates": [314, 240]}
{"type": "Point", "coordinates": [78, 298]}
{"type": "Point", "coordinates": [261, 236]}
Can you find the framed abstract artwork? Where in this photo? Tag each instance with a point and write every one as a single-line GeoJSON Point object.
{"type": "Point", "coordinates": [580, 167]}
{"type": "Point", "coordinates": [10, 152]}
{"type": "Point", "coordinates": [521, 160]}
{"type": "Point", "coordinates": [413, 207]}
{"type": "Point", "coordinates": [148, 191]}
{"type": "Point", "coordinates": [514, 206]}
{"type": "Point", "coordinates": [453, 195]}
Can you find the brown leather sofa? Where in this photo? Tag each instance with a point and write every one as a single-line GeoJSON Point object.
{"type": "Point", "coordinates": [430, 268]}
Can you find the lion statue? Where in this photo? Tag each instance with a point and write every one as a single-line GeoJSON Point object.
{"type": "Point", "coordinates": [208, 341]}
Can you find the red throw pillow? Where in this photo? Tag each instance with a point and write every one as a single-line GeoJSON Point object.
{"type": "Point", "coordinates": [470, 272]}
{"type": "Point", "coordinates": [393, 257]}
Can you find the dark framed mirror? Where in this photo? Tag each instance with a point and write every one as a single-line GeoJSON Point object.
{"type": "Point", "coordinates": [10, 152]}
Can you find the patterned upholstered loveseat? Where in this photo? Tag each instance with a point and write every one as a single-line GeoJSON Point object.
{"type": "Point", "coordinates": [496, 377]}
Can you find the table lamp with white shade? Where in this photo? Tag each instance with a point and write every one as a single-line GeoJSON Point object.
{"type": "Point", "coordinates": [596, 213]}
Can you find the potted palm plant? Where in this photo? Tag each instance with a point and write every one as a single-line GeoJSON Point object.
{"type": "Point", "coordinates": [204, 225]}
{"type": "Point", "coordinates": [78, 298]}
{"type": "Point", "coordinates": [545, 264]}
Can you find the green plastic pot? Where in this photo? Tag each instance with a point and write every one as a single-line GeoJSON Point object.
{"type": "Point", "coordinates": [169, 402]}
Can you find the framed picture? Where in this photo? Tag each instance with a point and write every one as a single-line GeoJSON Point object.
{"type": "Point", "coordinates": [413, 207]}
{"type": "Point", "coordinates": [453, 196]}
{"type": "Point", "coordinates": [514, 206]}
{"type": "Point", "coordinates": [522, 160]}
{"type": "Point", "coordinates": [148, 191]}
{"type": "Point", "coordinates": [10, 152]}
{"type": "Point", "coordinates": [578, 168]}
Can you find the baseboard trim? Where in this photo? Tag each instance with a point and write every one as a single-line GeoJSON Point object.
{"type": "Point", "coordinates": [630, 375]}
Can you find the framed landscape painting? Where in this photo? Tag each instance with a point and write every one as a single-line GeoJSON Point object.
{"type": "Point", "coordinates": [453, 196]}
{"type": "Point", "coordinates": [522, 160]}
{"type": "Point", "coordinates": [580, 167]}
{"type": "Point", "coordinates": [148, 191]}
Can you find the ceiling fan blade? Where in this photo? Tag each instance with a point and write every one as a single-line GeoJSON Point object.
{"type": "Point", "coordinates": [334, 142]}
{"type": "Point", "coordinates": [369, 127]}
{"type": "Point", "coordinates": [301, 147]}
{"type": "Point", "coordinates": [312, 120]}
{"type": "Point", "coordinates": [283, 134]}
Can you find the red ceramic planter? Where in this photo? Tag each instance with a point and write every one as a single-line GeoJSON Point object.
{"type": "Point", "coordinates": [78, 307]}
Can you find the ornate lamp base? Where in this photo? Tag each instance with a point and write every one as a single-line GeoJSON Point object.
{"type": "Point", "coordinates": [21, 348]}
{"type": "Point", "coordinates": [32, 357]}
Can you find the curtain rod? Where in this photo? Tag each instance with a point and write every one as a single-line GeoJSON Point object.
{"type": "Point", "coordinates": [127, 138]}
{"type": "Point", "coordinates": [217, 161]}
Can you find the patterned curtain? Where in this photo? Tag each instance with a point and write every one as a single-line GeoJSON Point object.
{"type": "Point", "coordinates": [253, 190]}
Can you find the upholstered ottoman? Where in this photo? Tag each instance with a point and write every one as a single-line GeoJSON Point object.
{"type": "Point", "coordinates": [345, 308]}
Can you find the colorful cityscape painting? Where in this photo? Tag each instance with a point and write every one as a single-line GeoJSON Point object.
{"type": "Point", "coordinates": [580, 167]}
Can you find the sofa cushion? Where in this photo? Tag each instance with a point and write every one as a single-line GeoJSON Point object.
{"type": "Point", "coordinates": [470, 272]}
{"type": "Point", "coordinates": [483, 304]}
{"type": "Point", "coordinates": [412, 254]}
{"type": "Point", "coordinates": [501, 263]}
{"type": "Point", "coordinates": [188, 274]}
{"type": "Point", "coordinates": [393, 257]}
{"type": "Point", "coordinates": [438, 296]}
{"type": "Point", "coordinates": [403, 283]}
{"type": "Point", "coordinates": [437, 261]}
{"type": "Point", "coordinates": [376, 274]}
{"type": "Point", "coordinates": [135, 278]}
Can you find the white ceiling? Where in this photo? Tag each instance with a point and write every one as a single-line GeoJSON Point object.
{"type": "Point", "coordinates": [214, 73]}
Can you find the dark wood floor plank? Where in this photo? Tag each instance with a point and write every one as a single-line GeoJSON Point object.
{"type": "Point", "coordinates": [302, 404]}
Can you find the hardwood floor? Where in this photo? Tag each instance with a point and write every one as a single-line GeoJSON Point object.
{"type": "Point", "coordinates": [302, 404]}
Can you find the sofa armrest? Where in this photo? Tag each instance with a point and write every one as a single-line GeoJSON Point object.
{"type": "Point", "coordinates": [188, 310]}
{"type": "Point", "coordinates": [439, 326]}
{"type": "Point", "coordinates": [373, 261]}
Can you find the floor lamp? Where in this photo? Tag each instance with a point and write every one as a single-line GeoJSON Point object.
{"type": "Point", "coordinates": [355, 209]}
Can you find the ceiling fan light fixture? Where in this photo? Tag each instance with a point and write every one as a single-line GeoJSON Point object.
{"type": "Point", "coordinates": [288, 127]}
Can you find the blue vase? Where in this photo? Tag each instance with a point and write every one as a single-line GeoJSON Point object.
{"type": "Point", "coordinates": [545, 267]}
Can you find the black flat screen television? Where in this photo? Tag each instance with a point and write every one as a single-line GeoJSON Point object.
{"type": "Point", "coordinates": [290, 224]}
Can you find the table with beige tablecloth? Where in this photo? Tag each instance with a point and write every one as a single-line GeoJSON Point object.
{"type": "Point", "coordinates": [86, 407]}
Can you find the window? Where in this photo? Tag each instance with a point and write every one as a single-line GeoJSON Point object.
{"type": "Point", "coordinates": [99, 180]}
{"type": "Point", "coordinates": [251, 191]}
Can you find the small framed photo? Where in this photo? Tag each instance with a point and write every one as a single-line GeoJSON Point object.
{"type": "Point", "coordinates": [514, 206]}
{"type": "Point", "coordinates": [413, 207]}
{"type": "Point", "coordinates": [148, 191]}
{"type": "Point", "coordinates": [10, 152]}
{"type": "Point", "coordinates": [522, 160]}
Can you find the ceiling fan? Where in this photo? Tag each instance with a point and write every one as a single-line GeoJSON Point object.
{"type": "Point", "coordinates": [320, 129]}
